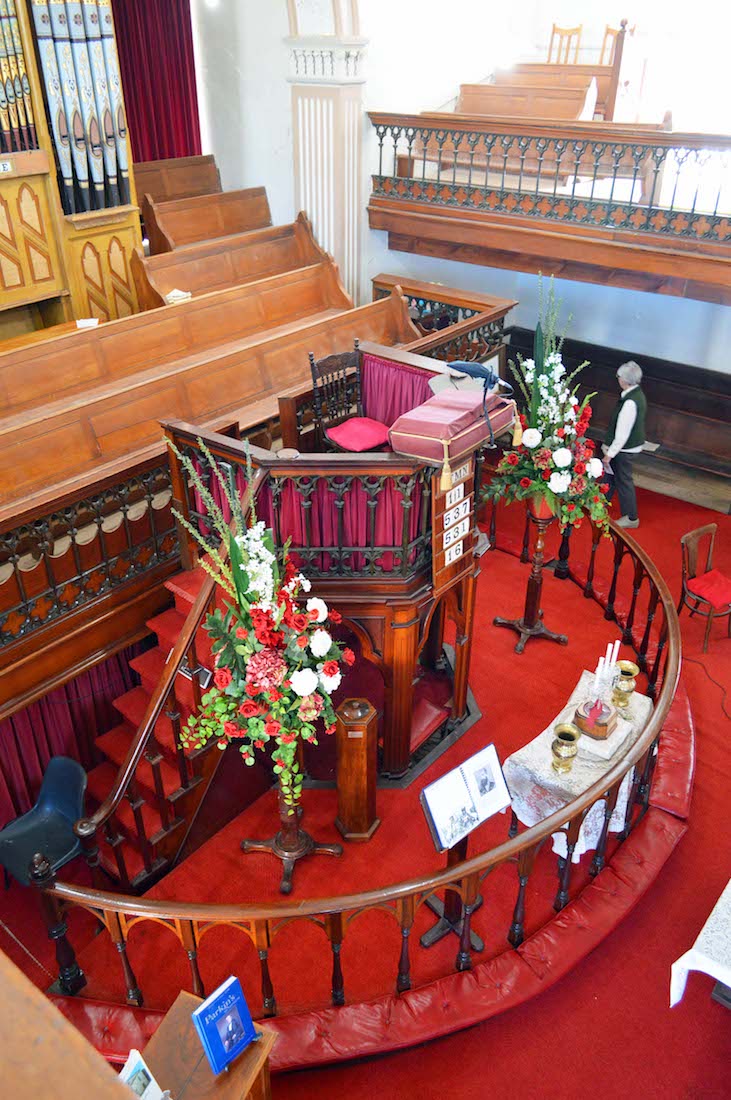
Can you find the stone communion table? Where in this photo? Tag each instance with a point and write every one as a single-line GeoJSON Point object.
{"type": "Point", "coordinates": [537, 791]}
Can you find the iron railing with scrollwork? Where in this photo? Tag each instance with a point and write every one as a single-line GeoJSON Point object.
{"type": "Point", "coordinates": [630, 179]}
{"type": "Point", "coordinates": [57, 563]}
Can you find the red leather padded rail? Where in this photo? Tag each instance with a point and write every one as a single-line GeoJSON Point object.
{"type": "Point", "coordinates": [461, 1000]}
{"type": "Point", "coordinates": [113, 1029]}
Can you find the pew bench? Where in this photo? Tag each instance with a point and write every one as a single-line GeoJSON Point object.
{"type": "Point", "coordinates": [528, 101]}
{"type": "Point", "coordinates": [225, 262]}
{"type": "Point", "coordinates": [171, 225]}
{"type": "Point", "coordinates": [177, 178]}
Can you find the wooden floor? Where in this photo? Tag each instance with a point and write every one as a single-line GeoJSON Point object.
{"type": "Point", "coordinates": [692, 486]}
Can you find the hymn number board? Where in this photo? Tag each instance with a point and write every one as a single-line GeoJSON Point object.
{"type": "Point", "coordinates": [453, 537]}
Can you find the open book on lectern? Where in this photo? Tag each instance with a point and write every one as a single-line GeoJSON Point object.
{"type": "Point", "coordinates": [462, 799]}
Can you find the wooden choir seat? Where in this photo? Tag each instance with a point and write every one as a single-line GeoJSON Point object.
{"type": "Point", "coordinates": [171, 225]}
{"type": "Point", "coordinates": [205, 361]}
{"type": "Point", "coordinates": [564, 44]}
{"type": "Point", "coordinates": [225, 262]}
{"type": "Point", "coordinates": [177, 178]}
{"type": "Point", "coordinates": [547, 101]}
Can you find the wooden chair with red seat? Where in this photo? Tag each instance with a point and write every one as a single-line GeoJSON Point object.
{"type": "Point", "coordinates": [336, 390]}
{"type": "Point", "coordinates": [710, 586]}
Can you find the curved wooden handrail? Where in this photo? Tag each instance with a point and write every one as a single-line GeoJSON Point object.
{"type": "Point", "coordinates": [86, 827]}
{"type": "Point", "coordinates": [510, 849]}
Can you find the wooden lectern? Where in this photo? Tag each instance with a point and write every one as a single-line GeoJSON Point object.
{"type": "Point", "coordinates": [178, 1062]}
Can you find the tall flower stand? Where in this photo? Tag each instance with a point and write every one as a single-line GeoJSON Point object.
{"type": "Point", "coordinates": [290, 844]}
{"type": "Point", "coordinates": [532, 625]}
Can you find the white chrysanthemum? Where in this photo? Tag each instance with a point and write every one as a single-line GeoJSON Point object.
{"type": "Point", "coordinates": [304, 681]}
{"type": "Point", "coordinates": [318, 605]}
{"type": "Point", "coordinates": [303, 582]}
{"type": "Point", "coordinates": [594, 467]}
{"type": "Point", "coordinates": [320, 643]}
{"type": "Point", "coordinates": [331, 683]}
{"type": "Point", "coordinates": [562, 457]}
{"type": "Point", "coordinates": [559, 483]}
{"type": "Point", "coordinates": [531, 438]}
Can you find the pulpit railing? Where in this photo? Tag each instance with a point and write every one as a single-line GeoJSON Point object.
{"type": "Point", "coordinates": [632, 179]}
{"type": "Point", "coordinates": [343, 515]}
{"type": "Point", "coordinates": [632, 573]}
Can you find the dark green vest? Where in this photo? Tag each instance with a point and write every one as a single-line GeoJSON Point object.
{"type": "Point", "coordinates": [637, 435]}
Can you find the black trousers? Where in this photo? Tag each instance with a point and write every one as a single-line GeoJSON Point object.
{"type": "Point", "coordinates": [621, 480]}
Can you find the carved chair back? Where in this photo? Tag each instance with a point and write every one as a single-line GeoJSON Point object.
{"type": "Point", "coordinates": [336, 387]}
{"type": "Point", "coordinates": [691, 544]}
{"type": "Point", "coordinates": [567, 40]}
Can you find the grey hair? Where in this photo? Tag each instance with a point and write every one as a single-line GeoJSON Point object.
{"type": "Point", "coordinates": [630, 372]}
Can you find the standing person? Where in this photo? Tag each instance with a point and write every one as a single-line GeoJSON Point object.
{"type": "Point", "coordinates": [624, 439]}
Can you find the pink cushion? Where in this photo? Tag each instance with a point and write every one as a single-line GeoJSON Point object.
{"type": "Point", "coordinates": [360, 433]}
{"type": "Point", "coordinates": [713, 587]}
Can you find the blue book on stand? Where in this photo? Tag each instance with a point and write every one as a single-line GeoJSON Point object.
{"type": "Point", "coordinates": [224, 1024]}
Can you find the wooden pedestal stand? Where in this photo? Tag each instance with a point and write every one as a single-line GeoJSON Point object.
{"type": "Point", "coordinates": [290, 844]}
{"type": "Point", "coordinates": [532, 625]}
{"type": "Point", "coordinates": [449, 911]}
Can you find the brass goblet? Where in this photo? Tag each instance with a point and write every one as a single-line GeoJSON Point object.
{"type": "Point", "coordinates": [564, 747]}
{"type": "Point", "coordinates": [626, 684]}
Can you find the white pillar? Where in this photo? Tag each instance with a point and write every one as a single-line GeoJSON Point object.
{"type": "Point", "coordinates": [327, 123]}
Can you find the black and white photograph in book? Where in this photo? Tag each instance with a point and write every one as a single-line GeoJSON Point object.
{"type": "Point", "coordinates": [230, 1029]}
{"type": "Point", "coordinates": [462, 799]}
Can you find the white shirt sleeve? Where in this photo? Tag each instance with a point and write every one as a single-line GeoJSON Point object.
{"type": "Point", "coordinates": [625, 424]}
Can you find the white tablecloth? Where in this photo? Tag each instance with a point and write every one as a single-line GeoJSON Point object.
{"type": "Point", "coordinates": [537, 791]}
{"type": "Point", "coordinates": [711, 952]}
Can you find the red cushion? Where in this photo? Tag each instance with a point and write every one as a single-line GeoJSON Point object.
{"type": "Point", "coordinates": [713, 587]}
{"type": "Point", "coordinates": [360, 433]}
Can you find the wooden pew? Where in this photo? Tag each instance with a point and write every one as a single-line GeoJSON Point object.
{"type": "Point", "coordinates": [547, 101]}
{"type": "Point", "coordinates": [65, 444]}
{"type": "Point", "coordinates": [174, 224]}
{"type": "Point", "coordinates": [71, 366]}
{"type": "Point", "coordinates": [565, 76]}
{"type": "Point", "coordinates": [177, 178]}
{"type": "Point", "coordinates": [225, 262]}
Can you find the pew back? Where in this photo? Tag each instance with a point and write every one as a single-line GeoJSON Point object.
{"type": "Point", "coordinates": [175, 224]}
{"type": "Point", "coordinates": [226, 262]}
{"type": "Point", "coordinates": [78, 361]}
{"type": "Point", "coordinates": [177, 178]}
{"type": "Point", "coordinates": [67, 443]}
{"type": "Point", "coordinates": [566, 76]}
{"type": "Point", "coordinates": [540, 101]}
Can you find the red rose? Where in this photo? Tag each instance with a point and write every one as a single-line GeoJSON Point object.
{"type": "Point", "coordinates": [252, 689]}
{"type": "Point", "coordinates": [336, 617]}
{"type": "Point", "coordinates": [589, 446]}
{"type": "Point", "coordinates": [560, 433]}
{"type": "Point", "coordinates": [249, 709]}
{"type": "Point", "coordinates": [274, 695]}
{"type": "Point", "coordinates": [302, 641]}
{"type": "Point", "coordinates": [231, 729]}
{"type": "Point", "coordinates": [241, 632]}
{"type": "Point", "coordinates": [604, 486]}
{"type": "Point", "coordinates": [570, 507]}
{"type": "Point", "coordinates": [525, 482]}
{"type": "Point", "coordinates": [579, 467]}
{"type": "Point", "coordinates": [259, 744]}
{"type": "Point", "coordinates": [349, 656]}
{"type": "Point", "coordinates": [596, 499]}
{"type": "Point", "coordinates": [546, 475]}
{"type": "Point", "coordinates": [512, 458]}
{"type": "Point", "coordinates": [299, 622]}
{"type": "Point", "coordinates": [330, 668]}
{"type": "Point", "coordinates": [272, 727]}
{"type": "Point", "coordinates": [222, 677]}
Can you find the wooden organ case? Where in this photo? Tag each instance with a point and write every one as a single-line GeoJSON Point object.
{"type": "Point", "coordinates": [68, 210]}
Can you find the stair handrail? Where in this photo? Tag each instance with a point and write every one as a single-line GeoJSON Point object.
{"type": "Point", "coordinates": [86, 827]}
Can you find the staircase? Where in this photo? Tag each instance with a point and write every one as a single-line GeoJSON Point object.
{"type": "Point", "coordinates": [147, 831]}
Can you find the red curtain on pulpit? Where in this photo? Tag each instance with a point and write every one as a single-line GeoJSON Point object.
{"type": "Point", "coordinates": [155, 46]}
{"type": "Point", "coordinates": [392, 389]}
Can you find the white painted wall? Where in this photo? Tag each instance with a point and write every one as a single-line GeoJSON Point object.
{"type": "Point", "coordinates": [417, 56]}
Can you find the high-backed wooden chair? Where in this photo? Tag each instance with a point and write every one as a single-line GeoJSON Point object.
{"type": "Point", "coordinates": [566, 41]}
{"type": "Point", "coordinates": [609, 43]}
{"type": "Point", "coordinates": [708, 587]}
{"type": "Point", "coordinates": [336, 390]}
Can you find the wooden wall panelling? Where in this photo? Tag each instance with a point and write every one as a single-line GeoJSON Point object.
{"type": "Point", "coordinates": [30, 265]}
{"type": "Point", "coordinates": [99, 247]}
{"type": "Point", "coordinates": [177, 178]}
{"type": "Point", "coordinates": [225, 262]}
{"type": "Point", "coordinates": [175, 224]}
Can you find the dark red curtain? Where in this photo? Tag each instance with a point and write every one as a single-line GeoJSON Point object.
{"type": "Point", "coordinates": [63, 723]}
{"type": "Point", "coordinates": [155, 45]}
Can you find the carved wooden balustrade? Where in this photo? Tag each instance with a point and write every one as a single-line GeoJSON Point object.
{"type": "Point", "coordinates": [442, 178]}
{"type": "Point", "coordinates": [634, 595]}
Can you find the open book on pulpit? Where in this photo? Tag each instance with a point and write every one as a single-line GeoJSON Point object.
{"type": "Point", "coordinates": [462, 799]}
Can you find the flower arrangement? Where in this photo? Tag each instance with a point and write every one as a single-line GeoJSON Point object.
{"type": "Point", "coordinates": [552, 460]}
{"type": "Point", "coordinates": [277, 663]}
